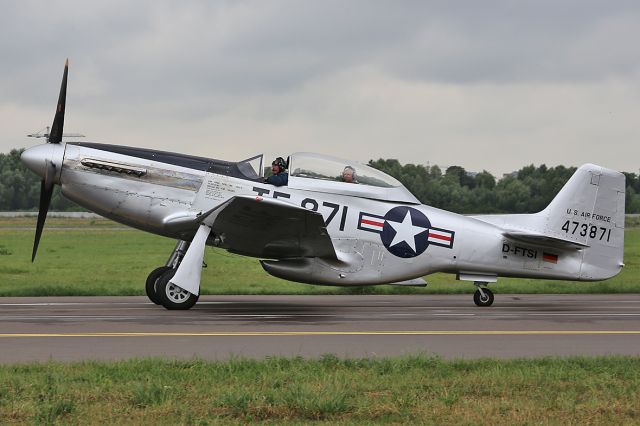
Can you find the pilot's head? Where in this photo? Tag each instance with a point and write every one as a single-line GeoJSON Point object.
{"type": "Point", "coordinates": [278, 166]}
{"type": "Point", "coordinates": [349, 174]}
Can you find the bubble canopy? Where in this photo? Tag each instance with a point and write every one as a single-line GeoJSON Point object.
{"type": "Point", "coordinates": [317, 166]}
{"type": "Point", "coordinates": [324, 173]}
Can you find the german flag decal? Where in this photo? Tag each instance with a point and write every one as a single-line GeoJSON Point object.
{"type": "Point", "coordinates": [548, 257]}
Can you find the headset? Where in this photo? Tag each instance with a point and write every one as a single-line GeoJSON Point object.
{"type": "Point", "coordinates": [353, 171]}
{"type": "Point", "coordinates": [282, 165]}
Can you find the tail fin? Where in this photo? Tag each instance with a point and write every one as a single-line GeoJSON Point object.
{"type": "Point", "coordinates": [589, 211]}
{"type": "Point", "coordinates": [587, 215]}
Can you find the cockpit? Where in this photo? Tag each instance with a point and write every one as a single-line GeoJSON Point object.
{"type": "Point", "coordinates": [323, 173]}
{"type": "Point", "coordinates": [322, 167]}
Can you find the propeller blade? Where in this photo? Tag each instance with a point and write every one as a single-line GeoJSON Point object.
{"type": "Point", "coordinates": [55, 134]}
{"type": "Point", "coordinates": [46, 191]}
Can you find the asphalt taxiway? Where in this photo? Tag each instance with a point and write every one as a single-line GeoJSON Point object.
{"type": "Point", "coordinates": [219, 327]}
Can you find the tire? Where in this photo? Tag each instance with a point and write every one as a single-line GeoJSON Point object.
{"type": "Point", "coordinates": [487, 300]}
{"type": "Point", "coordinates": [171, 296]}
{"type": "Point", "coordinates": [150, 285]}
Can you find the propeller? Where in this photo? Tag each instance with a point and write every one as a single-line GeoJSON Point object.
{"type": "Point", "coordinates": [46, 184]}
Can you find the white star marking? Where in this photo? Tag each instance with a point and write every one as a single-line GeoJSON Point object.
{"type": "Point", "coordinates": [405, 231]}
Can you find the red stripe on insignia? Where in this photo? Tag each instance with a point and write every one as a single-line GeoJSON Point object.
{"type": "Point", "coordinates": [371, 222]}
{"type": "Point", "coordinates": [440, 237]}
{"type": "Point", "coordinates": [550, 258]}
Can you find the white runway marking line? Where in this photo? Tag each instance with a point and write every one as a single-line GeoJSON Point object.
{"type": "Point", "coordinates": [331, 333]}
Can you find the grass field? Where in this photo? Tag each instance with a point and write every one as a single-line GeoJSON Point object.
{"type": "Point", "coordinates": [418, 389]}
{"type": "Point", "coordinates": [103, 258]}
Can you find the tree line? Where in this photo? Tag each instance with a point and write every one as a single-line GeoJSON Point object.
{"type": "Point", "coordinates": [527, 190]}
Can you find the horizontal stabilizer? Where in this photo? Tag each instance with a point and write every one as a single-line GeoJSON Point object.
{"type": "Point", "coordinates": [542, 239]}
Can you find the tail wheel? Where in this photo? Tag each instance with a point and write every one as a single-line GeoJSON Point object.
{"type": "Point", "coordinates": [150, 285]}
{"type": "Point", "coordinates": [171, 296]}
{"type": "Point", "coordinates": [483, 297]}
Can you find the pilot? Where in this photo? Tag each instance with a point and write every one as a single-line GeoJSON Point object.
{"type": "Point", "coordinates": [349, 175]}
{"type": "Point", "coordinates": [280, 176]}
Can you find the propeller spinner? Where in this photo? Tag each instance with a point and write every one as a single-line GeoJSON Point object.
{"type": "Point", "coordinates": [46, 160]}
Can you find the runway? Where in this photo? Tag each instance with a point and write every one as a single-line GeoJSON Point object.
{"type": "Point", "coordinates": [220, 327]}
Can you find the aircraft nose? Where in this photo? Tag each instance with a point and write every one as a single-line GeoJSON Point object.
{"type": "Point", "coordinates": [38, 157]}
{"type": "Point", "coordinates": [35, 159]}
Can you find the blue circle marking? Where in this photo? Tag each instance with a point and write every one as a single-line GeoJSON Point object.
{"type": "Point", "coordinates": [405, 232]}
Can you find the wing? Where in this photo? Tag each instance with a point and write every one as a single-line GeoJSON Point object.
{"type": "Point", "coordinates": [269, 228]}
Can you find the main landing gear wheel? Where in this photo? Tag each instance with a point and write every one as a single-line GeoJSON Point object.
{"type": "Point", "coordinates": [483, 297]}
{"type": "Point", "coordinates": [152, 279]}
{"type": "Point", "coordinates": [171, 296]}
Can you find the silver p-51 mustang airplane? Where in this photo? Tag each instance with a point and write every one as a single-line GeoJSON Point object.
{"type": "Point", "coordinates": [321, 230]}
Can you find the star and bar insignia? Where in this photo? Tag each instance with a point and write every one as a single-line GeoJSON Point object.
{"type": "Point", "coordinates": [405, 231]}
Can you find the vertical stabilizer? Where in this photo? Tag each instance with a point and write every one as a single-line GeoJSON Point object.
{"type": "Point", "coordinates": [589, 210]}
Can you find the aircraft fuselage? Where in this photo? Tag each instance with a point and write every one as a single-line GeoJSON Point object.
{"type": "Point", "coordinates": [377, 241]}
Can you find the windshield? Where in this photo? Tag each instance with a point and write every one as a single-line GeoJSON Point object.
{"type": "Point", "coordinates": [316, 166]}
{"type": "Point", "coordinates": [251, 168]}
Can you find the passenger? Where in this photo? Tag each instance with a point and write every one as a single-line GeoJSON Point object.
{"type": "Point", "coordinates": [349, 175]}
{"type": "Point", "coordinates": [280, 176]}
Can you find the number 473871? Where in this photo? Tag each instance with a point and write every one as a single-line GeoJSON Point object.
{"type": "Point", "coordinates": [573, 227]}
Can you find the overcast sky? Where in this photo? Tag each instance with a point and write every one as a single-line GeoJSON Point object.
{"type": "Point", "coordinates": [484, 85]}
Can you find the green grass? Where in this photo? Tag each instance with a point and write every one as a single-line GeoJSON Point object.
{"type": "Point", "coordinates": [100, 260]}
{"type": "Point", "coordinates": [417, 389]}
{"type": "Point", "coordinates": [57, 222]}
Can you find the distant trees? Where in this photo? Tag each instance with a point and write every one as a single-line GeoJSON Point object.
{"type": "Point", "coordinates": [528, 190]}
{"type": "Point", "coordinates": [632, 202]}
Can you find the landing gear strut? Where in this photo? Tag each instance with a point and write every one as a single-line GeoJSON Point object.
{"type": "Point", "coordinates": [483, 296]}
{"type": "Point", "coordinates": [160, 291]}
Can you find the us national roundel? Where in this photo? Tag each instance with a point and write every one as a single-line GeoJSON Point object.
{"type": "Point", "coordinates": [405, 232]}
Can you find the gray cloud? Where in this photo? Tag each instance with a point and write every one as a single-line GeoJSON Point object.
{"type": "Point", "coordinates": [378, 73]}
